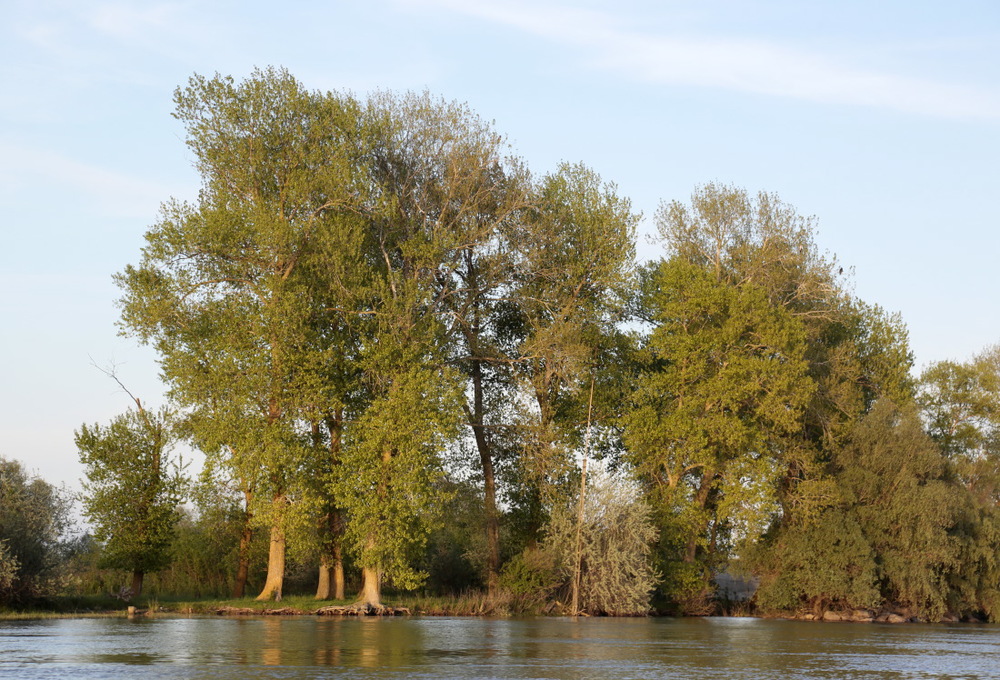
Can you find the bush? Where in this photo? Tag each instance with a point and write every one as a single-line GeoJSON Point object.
{"type": "Point", "coordinates": [612, 548]}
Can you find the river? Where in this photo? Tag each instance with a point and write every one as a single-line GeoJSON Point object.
{"type": "Point", "coordinates": [427, 647]}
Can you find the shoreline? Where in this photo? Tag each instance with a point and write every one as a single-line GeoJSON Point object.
{"type": "Point", "coordinates": [207, 610]}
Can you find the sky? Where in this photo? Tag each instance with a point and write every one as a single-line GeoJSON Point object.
{"type": "Point", "coordinates": [880, 119]}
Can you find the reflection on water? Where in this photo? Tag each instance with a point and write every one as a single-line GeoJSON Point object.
{"type": "Point", "coordinates": [306, 647]}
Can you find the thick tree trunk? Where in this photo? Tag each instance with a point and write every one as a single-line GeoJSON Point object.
{"type": "Point", "coordinates": [338, 576]}
{"type": "Point", "coordinates": [325, 576]}
{"type": "Point", "coordinates": [137, 577]}
{"type": "Point", "coordinates": [371, 588]}
{"type": "Point", "coordinates": [275, 558]}
{"type": "Point", "coordinates": [276, 553]}
{"type": "Point", "coordinates": [371, 577]}
{"type": "Point", "coordinates": [337, 554]}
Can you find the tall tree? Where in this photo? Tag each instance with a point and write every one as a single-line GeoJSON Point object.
{"type": "Point", "coordinates": [893, 474]}
{"type": "Point", "coordinates": [572, 259]}
{"type": "Point", "coordinates": [851, 353]}
{"type": "Point", "coordinates": [960, 403]}
{"type": "Point", "coordinates": [455, 189]}
{"type": "Point", "coordinates": [725, 385]}
{"type": "Point", "coordinates": [218, 291]}
{"type": "Point", "coordinates": [436, 191]}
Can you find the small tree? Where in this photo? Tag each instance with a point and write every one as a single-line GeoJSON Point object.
{"type": "Point", "coordinates": [612, 547]}
{"type": "Point", "coordinates": [33, 519]}
{"type": "Point", "coordinates": [132, 490]}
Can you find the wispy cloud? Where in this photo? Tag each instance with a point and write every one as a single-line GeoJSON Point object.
{"type": "Point", "coordinates": [88, 37]}
{"type": "Point", "coordinates": [125, 20]}
{"type": "Point", "coordinates": [112, 193]}
{"type": "Point", "coordinates": [742, 65]}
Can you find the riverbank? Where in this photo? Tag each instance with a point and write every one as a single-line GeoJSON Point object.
{"type": "Point", "coordinates": [470, 605]}
{"type": "Point", "coordinates": [475, 604]}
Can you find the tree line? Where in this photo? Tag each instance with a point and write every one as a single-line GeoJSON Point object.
{"type": "Point", "coordinates": [398, 349]}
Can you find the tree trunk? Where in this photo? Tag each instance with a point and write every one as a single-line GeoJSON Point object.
{"type": "Point", "coordinates": [574, 609]}
{"type": "Point", "coordinates": [243, 566]}
{"type": "Point", "coordinates": [325, 576]}
{"type": "Point", "coordinates": [137, 577]}
{"type": "Point", "coordinates": [371, 587]}
{"type": "Point", "coordinates": [333, 558]}
{"type": "Point", "coordinates": [476, 417]}
{"type": "Point", "coordinates": [578, 549]}
{"type": "Point", "coordinates": [275, 556]}
{"type": "Point", "coordinates": [492, 527]}
{"type": "Point", "coordinates": [489, 477]}
{"type": "Point", "coordinates": [700, 499]}
{"type": "Point", "coordinates": [338, 575]}
{"type": "Point", "coordinates": [331, 577]}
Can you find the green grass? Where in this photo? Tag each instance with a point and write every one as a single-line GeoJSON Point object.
{"type": "Point", "coordinates": [303, 604]}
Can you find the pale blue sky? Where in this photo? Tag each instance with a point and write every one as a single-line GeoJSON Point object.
{"type": "Point", "coordinates": [881, 119]}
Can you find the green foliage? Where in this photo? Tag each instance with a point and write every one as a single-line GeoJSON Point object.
{"type": "Point", "coordinates": [530, 578]}
{"type": "Point", "coordinates": [567, 308]}
{"type": "Point", "coordinates": [203, 558]}
{"type": "Point", "coordinates": [961, 405]}
{"type": "Point", "coordinates": [974, 580]}
{"type": "Point", "coordinates": [757, 369]}
{"type": "Point", "coordinates": [34, 517]}
{"type": "Point", "coordinates": [821, 563]}
{"type": "Point", "coordinates": [887, 535]}
{"type": "Point", "coordinates": [759, 239]}
{"type": "Point", "coordinates": [389, 469]}
{"type": "Point", "coordinates": [724, 382]}
{"type": "Point", "coordinates": [133, 488]}
{"type": "Point", "coordinates": [455, 554]}
{"type": "Point", "coordinates": [891, 473]}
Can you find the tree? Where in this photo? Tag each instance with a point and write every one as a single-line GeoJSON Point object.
{"type": "Point", "coordinates": [892, 474]}
{"type": "Point", "coordinates": [853, 354]}
{"type": "Point", "coordinates": [961, 406]}
{"type": "Point", "coordinates": [890, 533]}
{"type": "Point", "coordinates": [611, 547]}
{"type": "Point", "coordinates": [219, 290]}
{"type": "Point", "coordinates": [571, 258]}
{"type": "Point", "coordinates": [426, 164]}
{"type": "Point", "coordinates": [132, 490]}
{"type": "Point", "coordinates": [856, 353]}
{"type": "Point", "coordinates": [960, 403]}
{"type": "Point", "coordinates": [723, 387]}
{"type": "Point", "coordinates": [34, 516]}
{"type": "Point", "coordinates": [821, 562]}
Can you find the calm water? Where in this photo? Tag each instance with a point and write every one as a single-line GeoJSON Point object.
{"type": "Point", "coordinates": [482, 648]}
